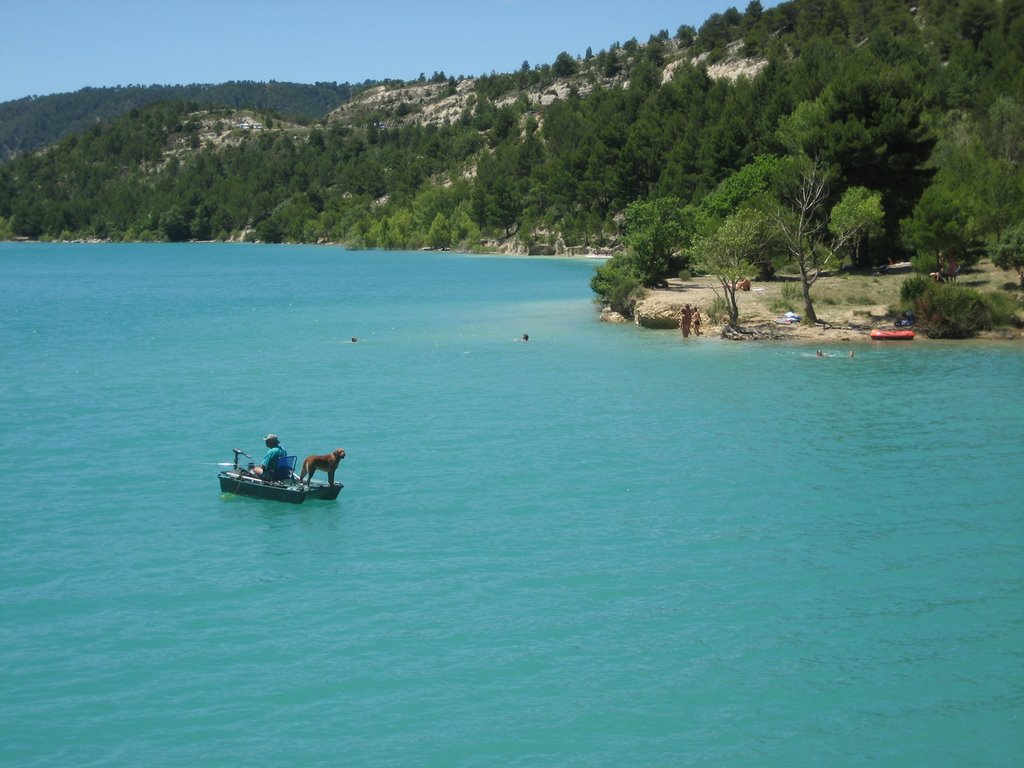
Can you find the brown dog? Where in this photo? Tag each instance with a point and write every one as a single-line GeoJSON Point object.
{"type": "Point", "coordinates": [328, 463]}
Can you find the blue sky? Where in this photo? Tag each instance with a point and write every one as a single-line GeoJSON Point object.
{"type": "Point", "coordinates": [54, 46]}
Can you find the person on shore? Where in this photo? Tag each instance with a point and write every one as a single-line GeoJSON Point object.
{"type": "Point", "coordinates": [952, 269]}
{"type": "Point", "coordinates": [274, 453]}
{"type": "Point", "coordinates": [685, 318]}
{"type": "Point", "coordinates": [696, 321]}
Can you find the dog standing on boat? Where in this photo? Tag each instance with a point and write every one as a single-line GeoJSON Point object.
{"type": "Point", "coordinates": [328, 463]}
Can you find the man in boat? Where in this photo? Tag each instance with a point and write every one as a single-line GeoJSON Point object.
{"type": "Point", "coordinates": [274, 453]}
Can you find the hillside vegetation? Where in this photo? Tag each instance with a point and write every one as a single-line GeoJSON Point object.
{"type": "Point", "coordinates": [909, 114]}
{"type": "Point", "coordinates": [35, 122]}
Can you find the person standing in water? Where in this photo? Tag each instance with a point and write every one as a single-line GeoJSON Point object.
{"type": "Point", "coordinates": [685, 318]}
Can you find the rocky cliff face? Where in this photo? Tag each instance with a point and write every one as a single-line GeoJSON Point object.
{"type": "Point", "coordinates": [430, 103]}
{"type": "Point", "coordinates": [411, 103]}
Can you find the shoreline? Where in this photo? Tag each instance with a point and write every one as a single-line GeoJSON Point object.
{"type": "Point", "coordinates": [844, 320]}
{"type": "Point", "coordinates": [839, 301]}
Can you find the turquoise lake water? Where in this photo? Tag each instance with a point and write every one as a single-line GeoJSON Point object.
{"type": "Point", "coordinates": [603, 547]}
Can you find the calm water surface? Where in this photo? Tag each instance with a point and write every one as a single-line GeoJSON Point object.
{"type": "Point", "coordinates": [603, 547]}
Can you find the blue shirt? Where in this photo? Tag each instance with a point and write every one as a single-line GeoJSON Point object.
{"type": "Point", "coordinates": [272, 456]}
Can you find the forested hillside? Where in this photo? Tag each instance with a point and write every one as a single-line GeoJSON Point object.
{"type": "Point", "coordinates": [35, 122]}
{"type": "Point", "coordinates": [915, 107]}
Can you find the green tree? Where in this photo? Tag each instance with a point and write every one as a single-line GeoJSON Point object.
{"type": "Point", "coordinates": [564, 66]}
{"type": "Point", "coordinates": [498, 194]}
{"type": "Point", "coordinates": [505, 122]}
{"type": "Point", "coordinates": [655, 229]}
{"type": "Point", "coordinates": [856, 216]}
{"type": "Point", "coordinates": [748, 182]}
{"type": "Point", "coordinates": [440, 234]}
{"type": "Point", "coordinates": [732, 251]}
{"type": "Point", "coordinates": [176, 225]}
{"type": "Point", "coordinates": [616, 284]}
{"type": "Point", "coordinates": [980, 161]}
{"type": "Point", "coordinates": [939, 225]}
{"type": "Point", "coordinates": [1008, 250]}
{"type": "Point", "coordinates": [868, 124]}
{"type": "Point", "coordinates": [270, 230]}
{"type": "Point", "coordinates": [815, 239]}
{"type": "Point", "coordinates": [686, 35]}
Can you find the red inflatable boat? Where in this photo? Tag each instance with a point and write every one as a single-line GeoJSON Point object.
{"type": "Point", "coordinates": [880, 334]}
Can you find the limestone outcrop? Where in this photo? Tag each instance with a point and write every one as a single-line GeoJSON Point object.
{"type": "Point", "coordinates": [651, 313]}
{"type": "Point", "coordinates": [609, 315]}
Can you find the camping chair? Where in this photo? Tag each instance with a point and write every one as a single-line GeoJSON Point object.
{"type": "Point", "coordinates": [283, 470]}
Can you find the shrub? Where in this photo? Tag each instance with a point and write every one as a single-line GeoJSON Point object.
{"type": "Point", "coordinates": [617, 285]}
{"type": "Point", "coordinates": [946, 311]}
{"type": "Point", "coordinates": [1003, 308]}
{"type": "Point", "coordinates": [914, 287]}
{"type": "Point", "coordinates": [718, 312]}
{"type": "Point", "coordinates": [1008, 250]}
{"type": "Point", "coordinates": [792, 291]}
{"type": "Point", "coordinates": [791, 297]}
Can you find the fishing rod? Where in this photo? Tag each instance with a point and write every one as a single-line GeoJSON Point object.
{"type": "Point", "coordinates": [237, 453]}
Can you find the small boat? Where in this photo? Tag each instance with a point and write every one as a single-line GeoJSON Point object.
{"type": "Point", "coordinates": [882, 334]}
{"type": "Point", "coordinates": [282, 486]}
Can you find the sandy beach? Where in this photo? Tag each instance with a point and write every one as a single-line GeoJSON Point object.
{"type": "Point", "coordinates": [848, 306]}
